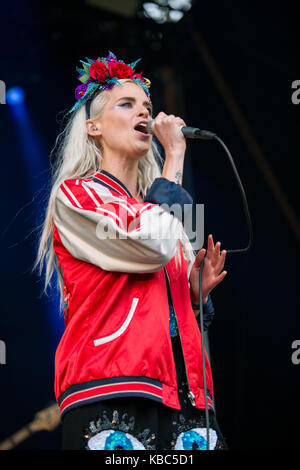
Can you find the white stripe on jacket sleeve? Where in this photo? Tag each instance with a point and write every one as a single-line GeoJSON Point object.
{"type": "Point", "coordinates": [91, 230]}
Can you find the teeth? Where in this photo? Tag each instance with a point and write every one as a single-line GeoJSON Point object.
{"type": "Point", "coordinates": [142, 126]}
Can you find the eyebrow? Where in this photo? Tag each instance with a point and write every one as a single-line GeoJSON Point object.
{"type": "Point", "coordinates": [130, 98]}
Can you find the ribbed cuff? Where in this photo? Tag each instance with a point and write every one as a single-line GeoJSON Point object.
{"type": "Point", "coordinates": [163, 191]}
{"type": "Point", "coordinates": [208, 313]}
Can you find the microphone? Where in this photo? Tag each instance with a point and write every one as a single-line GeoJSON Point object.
{"type": "Point", "coordinates": [188, 132]}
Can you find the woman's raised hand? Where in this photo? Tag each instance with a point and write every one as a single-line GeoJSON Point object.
{"type": "Point", "coordinates": [212, 273]}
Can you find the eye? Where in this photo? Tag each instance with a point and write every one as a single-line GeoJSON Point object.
{"type": "Point", "coordinates": [195, 439]}
{"type": "Point", "coordinates": [114, 440]}
{"type": "Point", "coordinates": [126, 103]}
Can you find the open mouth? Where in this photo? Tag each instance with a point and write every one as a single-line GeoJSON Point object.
{"type": "Point", "coordinates": [142, 128]}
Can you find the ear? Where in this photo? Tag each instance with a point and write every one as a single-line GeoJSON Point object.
{"type": "Point", "coordinates": [93, 127]}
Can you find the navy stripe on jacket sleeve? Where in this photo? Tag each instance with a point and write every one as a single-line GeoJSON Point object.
{"type": "Point", "coordinates": [208, 314]}
{"type": "Point", "coordinates": [164, 191]}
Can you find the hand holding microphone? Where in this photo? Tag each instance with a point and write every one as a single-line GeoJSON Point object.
{"type": "Point", "coordinates": [172, 131]}
{"type": "Point", "coordinates": [167, 129]}
{"type": "Point", "coordinates": [188, 131]}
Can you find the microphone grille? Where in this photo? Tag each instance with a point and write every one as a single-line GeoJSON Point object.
{"type": "Point", "coordinates": [149, 126]}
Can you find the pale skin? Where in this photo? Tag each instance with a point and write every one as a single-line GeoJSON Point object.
{"type": "Point", "coordinates": [123, 146]}
{"type": "Point", "coordinates": [212, 273]}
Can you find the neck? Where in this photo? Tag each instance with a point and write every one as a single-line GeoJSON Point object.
{"type": "Point", "coordinates": [126, 170]}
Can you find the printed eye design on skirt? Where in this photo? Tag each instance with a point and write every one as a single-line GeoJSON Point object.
{"type": "Point", "coordinates": [117, 431]}
{"type": "Point", "coordinates": [195, 439]}
{"type": "Point", "coordinates": [114, 440]}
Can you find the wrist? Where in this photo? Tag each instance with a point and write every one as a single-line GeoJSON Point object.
{"type": "Point", "coordinates": [173, 168]}
{"type": "Point", "coordinates": [196, 304]}
{"type": "Point", "coordinates": [195, 307]}
{"type": "Point", "coordinates": [175, 153]}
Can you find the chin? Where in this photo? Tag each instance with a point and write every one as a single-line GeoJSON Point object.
{"type": "Point", "coordinates": [141, 152]}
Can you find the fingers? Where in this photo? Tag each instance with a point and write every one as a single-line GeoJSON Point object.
{"type": "Point", "coordinates": [214, 252]}
{"type": "Point", "coordinates": [163, 119]}
{"type": "Point", "coordinates": [179, 121]}
{"type": "Point", "coordinates": [221, 276]}
{"type": "Point", "coordinates": [200, 257]}
{"type": "Point", "coordinates": [221, 261]}
{"type": "Point", "coordinates": [210, 246]}
{"type": "Point", "coordinates": [219, 279]}
{"type": "Point", "coordinates": [217, 252]}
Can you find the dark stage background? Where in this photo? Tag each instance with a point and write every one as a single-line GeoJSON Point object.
{"type": "Point", "coordinates": [227, 67]}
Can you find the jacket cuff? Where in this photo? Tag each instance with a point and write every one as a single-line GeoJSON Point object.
{"type": "Point", "coordinates": [208, 314]}
{"type": "Point", "coordinates": [163, 191]}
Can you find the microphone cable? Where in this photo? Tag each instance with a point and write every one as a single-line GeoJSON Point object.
{"type": "Point", "coordinates": [210, 136]}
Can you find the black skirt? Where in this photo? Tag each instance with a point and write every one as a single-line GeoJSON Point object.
{"type": "Point", "coordinates": [132, 423]}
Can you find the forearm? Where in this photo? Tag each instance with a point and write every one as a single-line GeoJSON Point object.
{"type": "Point", "coordinates": [196, 305]}
{"type": "Point", "coordinates": [173, 166]}
{"type": "Point", "coordinates": [195, 300]}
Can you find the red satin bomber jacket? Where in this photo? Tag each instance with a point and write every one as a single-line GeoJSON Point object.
{"type": "Point", "coordinates": [115, 257]}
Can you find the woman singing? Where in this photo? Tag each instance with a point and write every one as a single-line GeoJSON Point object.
{"type": "Point", "coordinates": [128, 369]}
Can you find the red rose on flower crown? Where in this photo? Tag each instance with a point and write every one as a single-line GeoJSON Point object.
{"type": "Point", "coordinates": [98, 71]}
{"type": "Point", "coordinates": [120, 70]}
{"type": "Point", "coordinates": [102, 74]}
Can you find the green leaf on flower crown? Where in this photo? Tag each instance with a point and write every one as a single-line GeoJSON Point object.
{"type": "Point", "coordinates": [114, 80]}
{"type": "Point", "coordinates": [133, 64]}
{"type": "Point", "coordinates": [81, 71]}
{"type": "Point", "coordinates": [84, 78]}
{"type": "Point", "coordinates": [84, 98]}
{"type": "Point", "coordinates": [90, 61]}
{"type": "Point", "coordinates": [91, 88]}
{"type": "Point", "coordinates": [86, 68]}
{"type": "Point", "coordinates": [112, 55]}
{"type": "Point", "coordinates": [76, 106]}
{"type": "Point", "coordinates": [142, 84]}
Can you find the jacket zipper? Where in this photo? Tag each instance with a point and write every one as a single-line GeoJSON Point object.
{"type": "Point", "coordinates": [190, 394]}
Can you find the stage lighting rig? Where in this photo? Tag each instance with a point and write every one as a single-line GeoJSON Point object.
{"type": "Point", "coordinates": [163, 11]}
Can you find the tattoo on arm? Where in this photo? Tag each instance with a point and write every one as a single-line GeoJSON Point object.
{"type": "Point", "coordinates": [178, 177]}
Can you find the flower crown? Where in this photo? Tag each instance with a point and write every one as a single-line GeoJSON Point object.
{"type": "Point", "coordinates": [103, 74]}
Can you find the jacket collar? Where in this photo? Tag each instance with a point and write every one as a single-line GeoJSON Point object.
{"type": "Point", "coordinates": [111, 182]}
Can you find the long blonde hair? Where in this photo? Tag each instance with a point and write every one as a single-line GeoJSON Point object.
{"type": "Point", "coordinates": [77, 155]}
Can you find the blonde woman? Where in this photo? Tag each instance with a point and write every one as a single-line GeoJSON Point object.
{"type": "Point", "coordinates": [128, 369]}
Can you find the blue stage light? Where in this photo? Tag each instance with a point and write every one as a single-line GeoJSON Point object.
{"type": "Point", "coordinates": [15, 96]}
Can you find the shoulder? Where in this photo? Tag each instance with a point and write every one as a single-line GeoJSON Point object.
{"type": "Point", "coordinates": [92, 192]}
{"type": "Point", "coordinates": [87, 185]}
{"type": "Point", "coordinates": [80, 192]}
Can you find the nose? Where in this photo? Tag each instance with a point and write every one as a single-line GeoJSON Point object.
{"type": "Point", "coordinates": [143, 111]}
